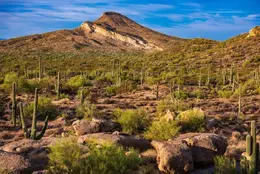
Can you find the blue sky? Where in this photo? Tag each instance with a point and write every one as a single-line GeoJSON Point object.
{"type": "Point", "coordinates": [214, 19]}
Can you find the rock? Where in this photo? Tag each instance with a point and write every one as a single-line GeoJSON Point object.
{"type": "Point", "coordinates": [211, 123]}
{"type": "Point", "coordinates": [82, 127]}
{"type": "Point", "coordinates": [107, 125]}
{"type": "Point", "coordinates": [205, 146]}
{"type": "Point", "coordinates": [173, 156]}
{"type": "Point", "coordinates": [149, 156]}
{"type": "Point", "coordinates": [27, 145]}
{"type": "Point", "coordinates": [124, 140]}
{"type": "Point", "coordinates": [13, 163]}
{"type": "Point", "coordinates": [169, 116]}
{"type": "Point", "coordinates": [38, 158]}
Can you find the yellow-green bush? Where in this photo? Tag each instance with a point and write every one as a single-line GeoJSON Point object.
{"type": "Point", "coordinates": [45, 108]}
{"type": "Point", "coordinates": [162, 130]}
{"type": "Point", "coordinates": [224, 165]}
{"type": "Point", "coordinates": [131, 121]}
{"type": "Point", "coordinates": [225, 93]}
{"type": "Point", "coordinates": [67, 156]}
{"type": "Point", "coordinates": [192, 120]}
{"type": "Point", "coordinates": [86, 111]}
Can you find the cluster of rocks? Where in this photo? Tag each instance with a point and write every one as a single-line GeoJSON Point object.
{"type": "Point", "coordinates": [179, 155]}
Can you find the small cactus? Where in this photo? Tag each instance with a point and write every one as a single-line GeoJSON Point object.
{"type": "Point", "coordinates": [252, 150]}
{"type": "Point", "coordinates": [32, 134]}
{"type": "Point", "coordinates": [239, 99]}
{"type": "Point", "coordinates": [14, 104]}
{"type": "Point", "coordinates": [82, 97]}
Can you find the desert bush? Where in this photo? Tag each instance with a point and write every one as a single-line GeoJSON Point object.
{"type": "Point", "coordinates": [132, 121]}
{"type": "Point", "coordinates": [198, 94]}
{"type": "Point", "coordinates": [180, 95]}
{"type": "Point", "coordinates": [162, 130]}
{"type": "Point", "coordinates": [77, 82]}
{"type": "Point", "coordinates": [224, 165]}
{"type": "Point", "coordinates": [22, 84]}
{"type": "Point", "coordinates": [192, 120]}
{"type": "Point", "coordinates": [67, 156]}
{"type": "Point", "coordinates": [174, 106]}
{"type": "Point", "coordinates": [45, 108]}
{"type": "Point", "coordinates": [111, 90]}
{"type": "Point", "coordinates": [224, 93]}
{"type": "Point", "coordinates": [86, 111]}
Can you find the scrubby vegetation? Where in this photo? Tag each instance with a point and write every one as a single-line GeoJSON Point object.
{"type": "Point", "coordinates": [69, 157]}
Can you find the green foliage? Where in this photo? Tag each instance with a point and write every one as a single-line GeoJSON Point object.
{"type": "Point", "coordinates": [174, 106]}
{"type": "Point", "coordinates": [66, 157]}
{"type": "Point", "coordinates": [132, 121]}
{"type": "Point", "coordinates": [22, 84]}
{"type": "Point", "coordinates": [225, 93]}
{"type": "Point", "coordinates": [180, 95]}
{"type": "Point", "coordinates": [192, 120]}
{"type": "Point", "coordinates": [69, 157]}
{"type": "Point", "coordinates": [111, 90]}
{"type": "Point", "coordinates": [224, 165]}
{"type": "Point", "coordinates": [77, 82]}
{"type": "Point", "coordinates": [86, 111]}
{"type": "Point", "coordinates": [162, 130]}
{"type": "Point", "coordinates": [45, 108]}
{"type": "Point", "coordinates": [198, 93]}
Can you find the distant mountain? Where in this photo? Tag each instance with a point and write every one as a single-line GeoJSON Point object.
{"type": "Point", "coordinates": [111, 32]}
{"type": "Point", "coordinates": [1, 38]}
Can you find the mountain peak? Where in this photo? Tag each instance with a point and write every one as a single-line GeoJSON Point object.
{"type": "Point", "coordinates": [254, 32]}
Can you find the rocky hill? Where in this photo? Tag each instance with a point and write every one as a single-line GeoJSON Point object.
{"type": "Point", "coordinates": [112, 31]}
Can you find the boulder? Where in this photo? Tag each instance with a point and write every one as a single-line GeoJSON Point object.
{"type": "Point", "coordinates": [122, 139]}
{"type": "Point", "coordinates": [205, 146]}
{"type": "Point", "coordinates": [27, 145]}
{"type": "Point", "coordinates": [107, 125]}
{"type": "Point", "coordinates": [173, 156]}
{"type": "Point", "coordinates": [82, 127]}
{"type": "Point", "coordinates": [13, 163]}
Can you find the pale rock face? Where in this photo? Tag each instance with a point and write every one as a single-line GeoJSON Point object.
{"type": "Point", "coordinates": [254, 32]}
{"type": "Point", "coordinates": [137, 42]}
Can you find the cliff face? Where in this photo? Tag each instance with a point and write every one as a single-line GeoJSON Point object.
{"type": "Point", "coordinates": [94, 29]}
{"type": "Point", "coordinates": [254, 32]}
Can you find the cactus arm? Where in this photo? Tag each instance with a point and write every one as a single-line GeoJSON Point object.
{"type": "Point", "coordinates": [82, 96]}
{"type": "Point", "coordinates": [26, 133]}
{"type": "Point", "coordinates": [38, 137]}
{"type": "Point", "coordinates": [33, 128]}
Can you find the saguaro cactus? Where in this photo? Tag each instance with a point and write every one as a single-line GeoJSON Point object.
{"type": "Point", "coordinates": [32, 134]}
{"type": "Point", "coordinates": [82, 97]}
{"type": "Point", "coordinates": [252, 150]}
{"type": "Point", "coordinates": [40, 68]}
{"type": "Point", "coordinates": [231, 76]}
{"type": "Point", "coordinates": [199, 79]}
{"type": "Point", "coordinates": [14, 104]}
{"type": "Point", "coordinates": [58, 86]}
{"type": "Point", "coordinates": [239, 99]}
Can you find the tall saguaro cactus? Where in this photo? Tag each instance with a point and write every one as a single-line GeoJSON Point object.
{"type": "Point", "coordinates": [14, 104]}
{"type": "Point", "coordinates": [58, 86]}
{"type": "Point", "coordinates": [252, 150]}
{"type": "Point", "coordinates": [239, 99]}
{"type": "Point", "coordinates": [33, 134]}
{"type": "Point", "coordinates": [40, 69]}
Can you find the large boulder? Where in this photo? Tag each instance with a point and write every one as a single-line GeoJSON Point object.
{"type": "Point", "coordinates": [205, 146]}
{"type": "Point", "coordinates": [82, 127]}
{"type": "Point", "coordinates": [27, 145]}
{"type": "Point", "coordinates": [107, 125]}
{"type": "Point", "coordinates": [117, 138]}
{"type": "Point", "coordinates": [13, 163]}
{"type": "Point", "coordinates": [173, 156]}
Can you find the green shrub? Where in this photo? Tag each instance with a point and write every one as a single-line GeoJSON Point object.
{"type": "Point", "coordinates": [22, 84]}
{"type": "Point", "coordinates": [63, 95]}
{"type": "Point", "coordinates": [77, 82]}
{"type": "Point", "coordinates": [224, 165]}
{"type": "Point", "coordinates": [86, 111]}
{"type": "Point", "coordinates": [162, 130]}
{"type": "Point", "coordinates": [192, 120]}
{"type": "Point", "coordinates": [45, 108]}
{"type": "Point", "coordinates": [111, 159]}
{"type": "Point", "coordinates": [198, 94]}
{"type": "Point", "coordinates": [180, 95]}
{"type": "Point", "coordinates": [67, 156]}
{"type": "Point", "coordinates": [111, 90]}
{"type": "Point", "coordinates": [132, 121]}
{"type": "Point", "coordinates": [224, 93]}
{"type": "Point", "coordinates": [174, 106]}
